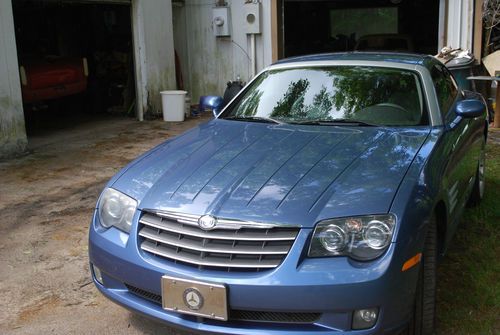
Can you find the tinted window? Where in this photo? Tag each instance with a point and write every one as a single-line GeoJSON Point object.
{"type": "Point", "coordinates": [446, 89]}
{"type": "Point", "coordinates": [384, 96]}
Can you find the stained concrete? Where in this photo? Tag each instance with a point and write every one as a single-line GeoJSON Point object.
{"type": "Point", "coordinates": [46, 200]}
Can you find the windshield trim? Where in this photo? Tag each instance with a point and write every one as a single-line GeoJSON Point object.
{"type": "Point", "coordinates": [322, 63]}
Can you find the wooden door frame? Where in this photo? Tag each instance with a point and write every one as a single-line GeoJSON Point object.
{"type": "Point", "coordinates": [277, 29]}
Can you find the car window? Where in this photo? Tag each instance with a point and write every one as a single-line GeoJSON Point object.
{"type": "Point", "coordinates": [383, 96]}
{"type": "Point", "coordinates": [446, 89]}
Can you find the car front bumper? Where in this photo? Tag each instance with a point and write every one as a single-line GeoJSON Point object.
{"type": "Point", "coordinates": [331, 288]}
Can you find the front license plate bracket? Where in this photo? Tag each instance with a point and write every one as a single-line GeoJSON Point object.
{"type": "Point", "coordinates": [203, 299]}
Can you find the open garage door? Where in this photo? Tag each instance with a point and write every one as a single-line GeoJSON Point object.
{"type": "Point", "coordinates": [76, 61]}
{"type": "Point", "coordinates": [347, 25]}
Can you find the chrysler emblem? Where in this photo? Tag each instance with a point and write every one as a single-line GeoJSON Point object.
{"type": "Point", "coordinates": [207, 222]}
{"type": "Point", "coordinates": [193, 299]}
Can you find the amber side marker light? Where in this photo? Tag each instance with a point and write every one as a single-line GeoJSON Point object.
{"type": "Point", "coordinates": [412, 262]}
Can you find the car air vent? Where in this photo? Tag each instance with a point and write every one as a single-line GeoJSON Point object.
{"type": "Point", "coordinates": [279, 317]}
{"type": "Point", "coordinates": [178, 238]}
{"type": "Point", "coordinates": [243, 315]}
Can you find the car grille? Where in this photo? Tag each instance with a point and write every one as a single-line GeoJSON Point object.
{"type": "Point", "coordinates": [177, 237]}
{"type": "Point", "coordinates": [243, 315]}
{"type": "Point", "coordinates": [280, 317]}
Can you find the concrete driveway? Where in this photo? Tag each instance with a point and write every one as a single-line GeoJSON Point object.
{"type": "Point", "coordinates": [46, 203]}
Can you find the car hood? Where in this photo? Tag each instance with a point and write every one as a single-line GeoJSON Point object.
{"type": "Point", "coordinates": [287, 174]}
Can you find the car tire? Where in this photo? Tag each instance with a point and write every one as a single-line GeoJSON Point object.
{"type": "Point", "coordinates": [479, 183]}
{"type": "Point", "coordinates": [424, 309]}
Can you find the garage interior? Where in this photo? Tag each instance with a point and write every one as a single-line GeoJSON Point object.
{"type": "Point", "coordinates": [337, 25]}
{"type": "Point", "coordinates": [48, 32]}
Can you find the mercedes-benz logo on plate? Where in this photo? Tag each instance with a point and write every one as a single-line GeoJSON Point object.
{"type": "Point", "coordinates": [193, 298]}
{"type": "Point", "coordinates": [207, 222]}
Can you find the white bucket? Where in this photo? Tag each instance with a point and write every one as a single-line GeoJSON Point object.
{"type": "Point", "coordinates": [172, 103]}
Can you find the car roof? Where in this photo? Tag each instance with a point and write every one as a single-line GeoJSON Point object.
{"type": "Point", "coordinates": [394, 57]}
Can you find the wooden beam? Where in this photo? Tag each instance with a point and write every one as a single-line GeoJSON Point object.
{"type": "Point", "coordinates": [442, 25]}
{"type": "Point", "coordinates": [496, 119]}
{"type": "Point", "coordinates": [478, 30]}
{"type": "Point", "coordinates": [274, 30]}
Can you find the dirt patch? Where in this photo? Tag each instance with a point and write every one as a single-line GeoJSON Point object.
{"type": "Point", "coordinates": [47, 199]}
{"type": "Point", "coordinates": [34, 310]}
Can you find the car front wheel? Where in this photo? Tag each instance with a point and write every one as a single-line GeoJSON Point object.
{"type": "Point", "coordinates": [424, 309]}
{"type": "Point", "coordinates": [479, 184]}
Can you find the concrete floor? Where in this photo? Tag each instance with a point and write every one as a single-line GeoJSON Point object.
{"type": "Point", "coordinates": [46, 200]}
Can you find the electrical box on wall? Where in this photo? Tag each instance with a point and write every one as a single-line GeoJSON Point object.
{"type": "Point", "coordinates": [252, 18]}
{"type": "Point", "coordinates": [221, 21]}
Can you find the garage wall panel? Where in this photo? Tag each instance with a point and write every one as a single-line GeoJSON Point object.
{"type": "Point", "coordinates": [12, 130]}
{"type": "Point", "coordinates": [153, 52]}
{"type": "Point", "coordinates": [460, 24]}
{"type": "Point", "coordinates": [180, 40]}
{"type": "Point", "coordinates": [212, 61]}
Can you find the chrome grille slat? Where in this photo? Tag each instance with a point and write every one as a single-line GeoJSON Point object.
{"type": "Point", "coordinates": [189, 222]}
{"type": "Point", "coordinates": [245, 247]}
{"type": "Point", "coordinates": [207, 260]}
{"type": "Point", "coordinates": [235, 249]}
{"type": "Point", "coordinates": [174, 227]}
{"type": "Point", "coordinates": [222, 223]}
{"type": "Point", "coordinates": [175, 216]}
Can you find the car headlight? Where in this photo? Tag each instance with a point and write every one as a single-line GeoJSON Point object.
{"type": "Point", "coordinates": [116, 209]}
{"type": "Point", "coordinates": [361, 238]}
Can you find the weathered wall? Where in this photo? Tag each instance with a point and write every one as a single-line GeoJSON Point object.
{"type": "Point", "coordinates": [209, 62]}
{"type": "Point", "coordinates": [180, 40]}
{"type": "Point", "coordinates": [12, 131]}
{"type": "Point", "coordinates": [460, 24]}
{"type": "Point", "coordinates": [154, 52]}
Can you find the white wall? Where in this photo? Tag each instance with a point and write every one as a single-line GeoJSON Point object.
{"type": "Point", "coordinates": [460, 24]}
{"type": "Point", "coordinates": [153, 52]}
{"type": "Point", "coordinates": [12, 130]}
{"type": "Point", "coordinates": [209, 62]}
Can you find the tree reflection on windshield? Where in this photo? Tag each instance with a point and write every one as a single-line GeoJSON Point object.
{"type": "Point", "coordinates": [372, 94]}
{"type": "Point", "coordinates": [291, 105]}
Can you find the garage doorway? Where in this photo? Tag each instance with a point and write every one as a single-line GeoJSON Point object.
{"type": "Point", "coordinates": [347, 25]}
{"type": "Point", "coordinates": [76, 62]}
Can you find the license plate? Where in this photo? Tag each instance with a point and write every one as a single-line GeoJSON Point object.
{"type": "Point", "coordinates": [208, 300]}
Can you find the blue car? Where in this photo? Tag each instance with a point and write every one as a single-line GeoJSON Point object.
{"type": "Point", "coordinates": [317, 202]}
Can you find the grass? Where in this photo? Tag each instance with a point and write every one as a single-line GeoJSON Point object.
{"type": "Point", "coordinates": [468, 298]}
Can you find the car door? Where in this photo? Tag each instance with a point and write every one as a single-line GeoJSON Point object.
{"type": "Point", "coordinates": [459, 143]}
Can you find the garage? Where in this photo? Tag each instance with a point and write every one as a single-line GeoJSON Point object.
{"type": "Point", "coordinates": [76, 62]}
{"type": "Point", "coordinates": [341, 25]}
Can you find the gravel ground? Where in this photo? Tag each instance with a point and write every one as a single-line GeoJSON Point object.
{"type": "Point", "coordinates": [46, 200]}
{"type": "Point", "coordinates": [494, 136]}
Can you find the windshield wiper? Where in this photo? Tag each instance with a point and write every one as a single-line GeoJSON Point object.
{"type": "Point", "coordinates": [335, 121]}
{"type": "Point", "coordinates": [253, 119]}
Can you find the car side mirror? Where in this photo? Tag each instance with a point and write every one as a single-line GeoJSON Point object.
{"type": "Point", "coordinates": [213, 102]}
{"type": "Point", "coordinates": [470, 108]}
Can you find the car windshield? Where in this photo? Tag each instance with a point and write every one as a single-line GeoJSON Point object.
{"type": "Point", "coordinates": [332, 95]}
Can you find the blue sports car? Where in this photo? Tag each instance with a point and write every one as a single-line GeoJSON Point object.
{"type": "Point", "coordinates": [317, 202]}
